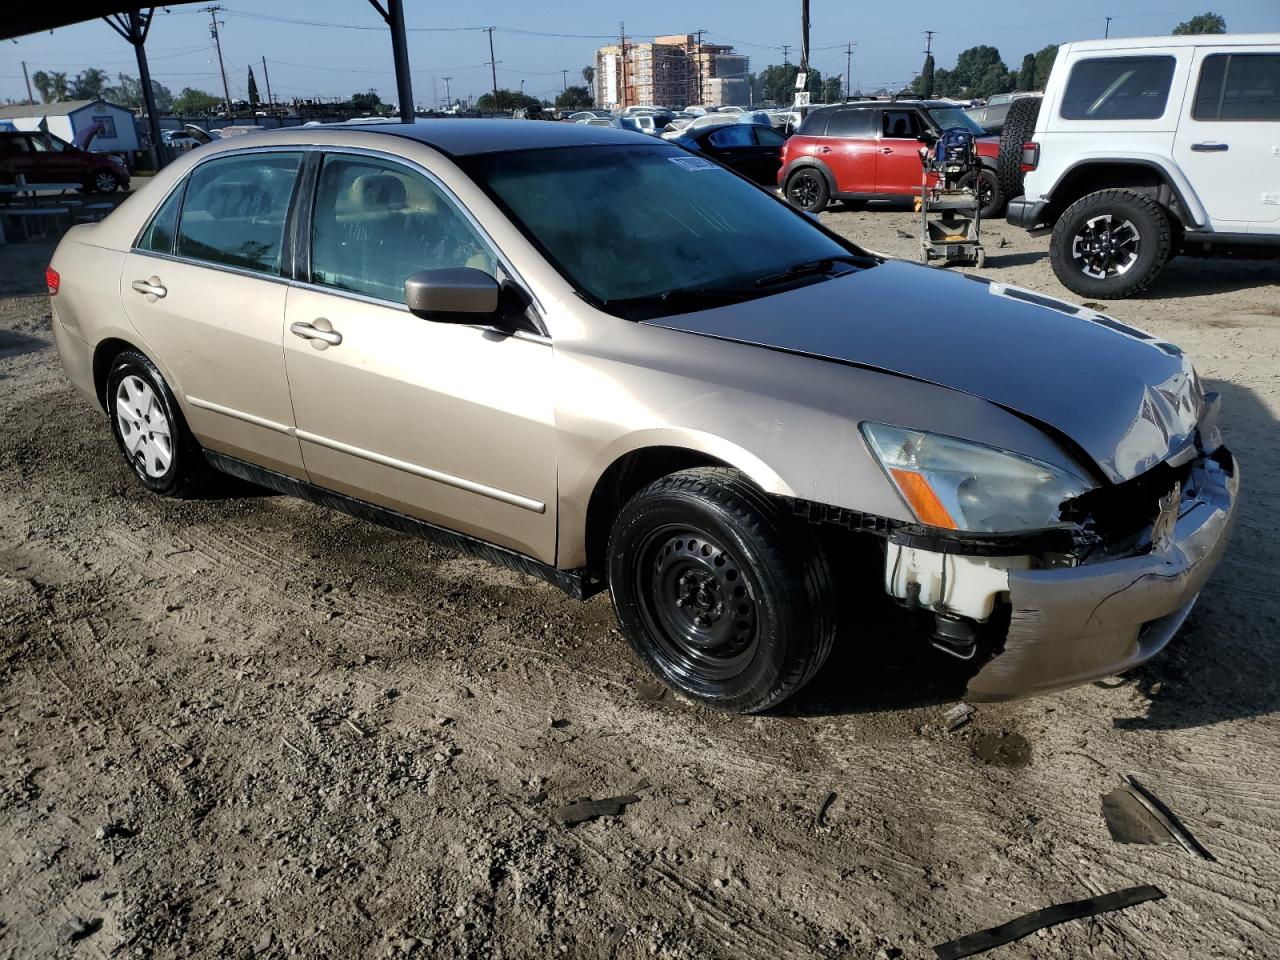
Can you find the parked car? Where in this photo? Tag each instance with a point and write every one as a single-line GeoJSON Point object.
{"type": "Point", "coordinates": [870, 150]}
{"type": "Point", "coordinates": [179, 141]}
{"type": "Point", "coordinates": [751, 149]}
{"type": "Point", "coordinates": [44, 158]}
{"type": "Point", "coordinates": [990, 116]}
{"type": "Point", "coordinates": [744, 426]}
{"type": "Point", "coordinates": [1148, 147]}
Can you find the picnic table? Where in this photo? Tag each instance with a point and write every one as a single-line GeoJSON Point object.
{"type": "Point", "coordinates": [24, 202]}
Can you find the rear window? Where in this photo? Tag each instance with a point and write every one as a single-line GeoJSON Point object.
{"type": "Point", "coordinates": [1238, 86]}
{"type": "Point", "coordinates": [1118, 88]}
{"type": "Point", "coordinates": [852, 123]}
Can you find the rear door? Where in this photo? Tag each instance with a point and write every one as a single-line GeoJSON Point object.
{"type": "Point", "coordinates": [850, 150]}
{"type": "Point", "coordinates": [734, 146]}
{"type": "Point", "coordinates": [767, 156]}
{"type": "Point", "coordinates": [1228, 139]}
{"type": "Point", "coordinates": [898, 169]}
{"type": "Point", "coordinates": [203, 286]}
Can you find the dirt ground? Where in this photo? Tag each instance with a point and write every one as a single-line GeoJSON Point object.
{"type": "Point", "coordinates": [248, 727]}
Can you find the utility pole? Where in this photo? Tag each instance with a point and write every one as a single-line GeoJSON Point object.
{"type": "Point", "coordinates": [564, 81]}
{"type": "Point", "coordinates": [804, 36]}
{"type": "Point", "coordinates": [698, 64]}
{"type": "Point", "coordinates": [848, 66]}
{"type": "Point", "coordinates": [786, 48]}
{"type": "Point", "coordinates": [212, 10]}
{"type": "Point", "coordinates": [447, 95]}
{"type": "Point", "coordinates": [1107, 32]}
{"type": "Point", "coordinates": [493, 66]}
{"type": "Point", "coordinates": [622, 63]}
{"type": "Point", "coordinates": [928, 42]}
{"type": "Point", "coordinates": [271, 101]}
{"type": "Point", "coordinates": [30, 99]}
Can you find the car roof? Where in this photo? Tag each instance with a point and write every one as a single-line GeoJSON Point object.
{"type": "Point", "coordinates": [896, 104]}
{"type": "Point", "coordinates": [465, 136]}
{"type": "Point", "coordinates": [1123, 44]}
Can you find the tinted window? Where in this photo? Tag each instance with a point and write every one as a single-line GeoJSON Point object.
{"type": "Point", "coordinates": [1118, 88]}
{"type": "Point", "coordinates": [767, 136]}
{"type": "Point", "coordinates": [1238, 86]}
{"type": "Point", "coordinates": [672, 221]}
{"type": "Point", "coordinates": [235, 210]}
{"type": "Point", "coordinates": [852, 123]}
{"type": "Point", "coordinates": [815, 124]}
{"type": "Point", "coordinates": [158, 237]}
{"type": "Point", "coordinates": [14, 145]}
{"type": "Point", "coordinates": [733, 135]}
{"type": "Point", "coordinates": [901, 124]}
{"type": "Point", "coordinates": [376, 223]}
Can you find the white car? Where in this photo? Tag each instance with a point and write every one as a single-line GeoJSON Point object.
{"type": "Point", "coordinates": [1145, 147]}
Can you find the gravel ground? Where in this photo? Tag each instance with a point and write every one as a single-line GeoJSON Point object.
{"type": "Point", "coordinates": [247, 727]}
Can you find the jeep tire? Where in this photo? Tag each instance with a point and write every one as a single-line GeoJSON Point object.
{"type": "Point", "coordinates": [1019, 127]}
{"type": "Point", "coordinates": [1110, 244]}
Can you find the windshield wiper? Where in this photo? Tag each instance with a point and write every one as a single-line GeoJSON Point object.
{"type": "Point", "coordinates": [684, 295]}
{"type": "Point", "coordinates": [808, 267]}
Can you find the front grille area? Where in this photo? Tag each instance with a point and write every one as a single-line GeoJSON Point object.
{"type": "Point", "coordinates": [1123, 512]}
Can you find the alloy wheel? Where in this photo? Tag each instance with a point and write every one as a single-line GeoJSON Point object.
{"type": "Point", "coordinates": [1106, 246]}
{"type": "Point", "coordinates": [104, 182]}
{"type": "Point", "coordinates": [697, 603]}
{"type": "Point", "coordinates": [804, 190]}
{"type": "Point", "coordinates": [144, 428]}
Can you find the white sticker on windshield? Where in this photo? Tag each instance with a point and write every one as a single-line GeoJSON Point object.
{"type": "Point", "coordinates": [693, 163]}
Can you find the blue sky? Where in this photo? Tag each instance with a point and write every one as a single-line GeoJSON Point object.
{"type": "Point", "coordinates": [535, 41]}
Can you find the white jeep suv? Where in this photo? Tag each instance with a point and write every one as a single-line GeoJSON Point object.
{"type": "Point", "coordinates": [1146, 148]}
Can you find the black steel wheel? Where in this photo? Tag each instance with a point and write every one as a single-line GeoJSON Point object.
{"type": "Point", "coordinates": [807, 190]}
{"type": "Point", "coordinates": [722, 596]}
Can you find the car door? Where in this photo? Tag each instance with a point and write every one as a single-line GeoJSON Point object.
{"type": "Point", "coordinates": [767, 156]}
{"type": "Point", "coordinates": [898, 169]}
{"type": "Point", "coordinates": [203, 287]}
{"type": "Point", "coordinates": [849, 150]}
{"type": "Point", "coordinates": [452, 423]}
{"type": "Point", "coordinates": [1228, 139]}
{"type": "Point", "coordinates": [733, 145]}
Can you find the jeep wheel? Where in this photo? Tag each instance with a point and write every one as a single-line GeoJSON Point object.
{"type": "Point", "coordinates": [721, 597]}
{"type": "Point", "coordinates": [807, 190]}
{"type": "Point", "coordinates": [1019, 127]}
{"type": "Point", "coordinates": [989, 193]}
{"type": "Point", "coordinates": [1110, 244]}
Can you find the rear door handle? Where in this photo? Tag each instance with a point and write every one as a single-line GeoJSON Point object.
{"type": "Point", "coordinates": [152, 288]}
{"type": "Point", "coordinates": [1210, 147]}
{"type": "Point", "coordinates": [321, 333]}
{"type": "Point", "coordinates": [886, 149]}
{"type": "Point", "coordinates": [824, 149]}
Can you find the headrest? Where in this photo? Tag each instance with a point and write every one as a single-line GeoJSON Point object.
{"type": "Point", "coordinates": [377, 191]}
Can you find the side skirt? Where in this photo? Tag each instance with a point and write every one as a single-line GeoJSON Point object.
{"type": "Point", "coordinates": [578, 584]}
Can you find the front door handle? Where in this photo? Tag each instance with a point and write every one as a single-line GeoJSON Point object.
{"type": "Point", "coordinates": [320, 333]}
{"type": "Point", "coordinates": [1210, 147]}
{"type": "Point", "coordinates": [886, 149]}
{"type": "Point", "coordinates": [151, 287]}
{"type": "Point", "coordinates": [824, 149]}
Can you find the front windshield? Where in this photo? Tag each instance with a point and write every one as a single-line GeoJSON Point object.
{"type": "Point", "coordinates": [948, 118]}
{"type": "Point", "coordinates": [629, 226]}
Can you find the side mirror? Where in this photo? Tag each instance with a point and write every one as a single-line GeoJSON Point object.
{"type": "Point", "coordinates": [434, 294]}
{"type": "Point", "coordinates": [928, 138]}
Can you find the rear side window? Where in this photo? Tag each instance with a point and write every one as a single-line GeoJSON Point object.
{"type": "Point", "coordinates": [1118, 88]}
{"type": "Point", "coordinates": [814, 125]}
{"type": "Point", "coordinates": [852, 123]}
{"type": "Point", "coordinates": [733, 135]}
{"type": "Point", "coordinates": [1238, 86]}
{"type": "Point", "coordinates": [376, 223]}
{"type": "Point", "coordinates": [158, 237]}
{"type": "Point", "coordinates": [235, 210]}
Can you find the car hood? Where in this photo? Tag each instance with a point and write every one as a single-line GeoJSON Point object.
{"type": "Point", "coordinates": [1125, 398]}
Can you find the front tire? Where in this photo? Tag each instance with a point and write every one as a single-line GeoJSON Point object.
{"type": "Point", "coordinates": [103, 181]}
{"type": "Point", "coordinates": [150, 430]}
{"type": "Point", "coordinates": [1110, 244]}
{"type": "Point", "coordinates": [807, 190]}
{"type": "Point", "coordinates": [723, 598]}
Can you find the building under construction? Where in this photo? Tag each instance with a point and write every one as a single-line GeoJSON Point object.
{"type": "Point", "coordinates": [672, 71]}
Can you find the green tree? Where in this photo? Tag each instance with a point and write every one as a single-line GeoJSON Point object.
{"type": "Point", "coordinates": [52, 87]}
{"type": "Point", "coordinates": [508, 100]}
{"type": "Point", "coordinates": [833, 90]}
{"type": "Point", "coordinates": [1204, 23]}
{"type": "Point", "coordinates": [89, 84]}
{"type": "Point", "coordinates": [1044, 64]}
{"type": "Point", "coordinates": [923, 84]}
{"type": "Point", "coordinates": [778, 83]}
{"type": "Point", "coordinates": [367, 102]}
{"type": "Point", "coordinates": [1027, 74]}
{"type": "Point", "coordinates": [253, 91]}
{"type": "Point", "coordinates": [574, 98]}
{"type": "Point", "coordinates": [589, 75]}
{"type": "Point", "coordinates": [980, 72]}
{"type": "Point", "coordinates": [127, 92]}
{"type": "Point", "coordinates": [195, 103]}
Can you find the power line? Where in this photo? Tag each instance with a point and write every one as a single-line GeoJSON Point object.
{"type": "Point", "coordinates": [212, 10]}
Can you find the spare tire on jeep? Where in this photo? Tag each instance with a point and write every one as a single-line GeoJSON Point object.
{"type": "Point", "coordinates": [1019, 125]}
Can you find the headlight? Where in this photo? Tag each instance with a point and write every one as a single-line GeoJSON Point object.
{"type": "Point", "coordinates": [961, 485]}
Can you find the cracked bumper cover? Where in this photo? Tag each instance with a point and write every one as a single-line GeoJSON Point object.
{"type": "Point", "coordinates": [1073, 625]}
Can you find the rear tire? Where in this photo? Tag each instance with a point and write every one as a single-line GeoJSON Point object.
{"type": "Point", "coordinates": [723, 597]}
{"type": "Point", "coordinates": [1110, 244]}
{"type": "Point", "coordinates": [807, 190]}
{"type": "Point", "coordinates": [1019, 127]}
{"type": "Point", "coordinates": [150, 430]}
{"type": "Point", "coordinates": [990, 194]}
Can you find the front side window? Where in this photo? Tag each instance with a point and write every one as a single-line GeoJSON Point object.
{"type": "Point", "coordinates": [767, 136]}
{"type": "Point", "coordinates": [376, 223]}
{"type": "Point", "coordinates": [158, 237]}
{"type": "Point", "coordinates": [1118, 88]}
{"type": "Point", "coordinates": [235, 210]}
{"type": "Point", "coordinates": [1238, 86]}
{"type": "Point", "coordinates": [47, 143]}
{"type": "Point", "coordinates": [649, 230]}
{"type": "Point", "coordinates": [901, 124]}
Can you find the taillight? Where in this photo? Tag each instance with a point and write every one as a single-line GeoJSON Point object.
{"type": "Point", "coordinates": [1030, 157]}
{"type": "Point", "coordinates": [52, 280]}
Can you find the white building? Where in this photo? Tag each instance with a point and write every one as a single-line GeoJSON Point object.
{"type": "Point", "coordinates": [66, 120]}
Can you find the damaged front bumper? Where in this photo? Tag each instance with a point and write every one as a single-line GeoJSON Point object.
{"type": "Point", "coordinates": [1075, 624]}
